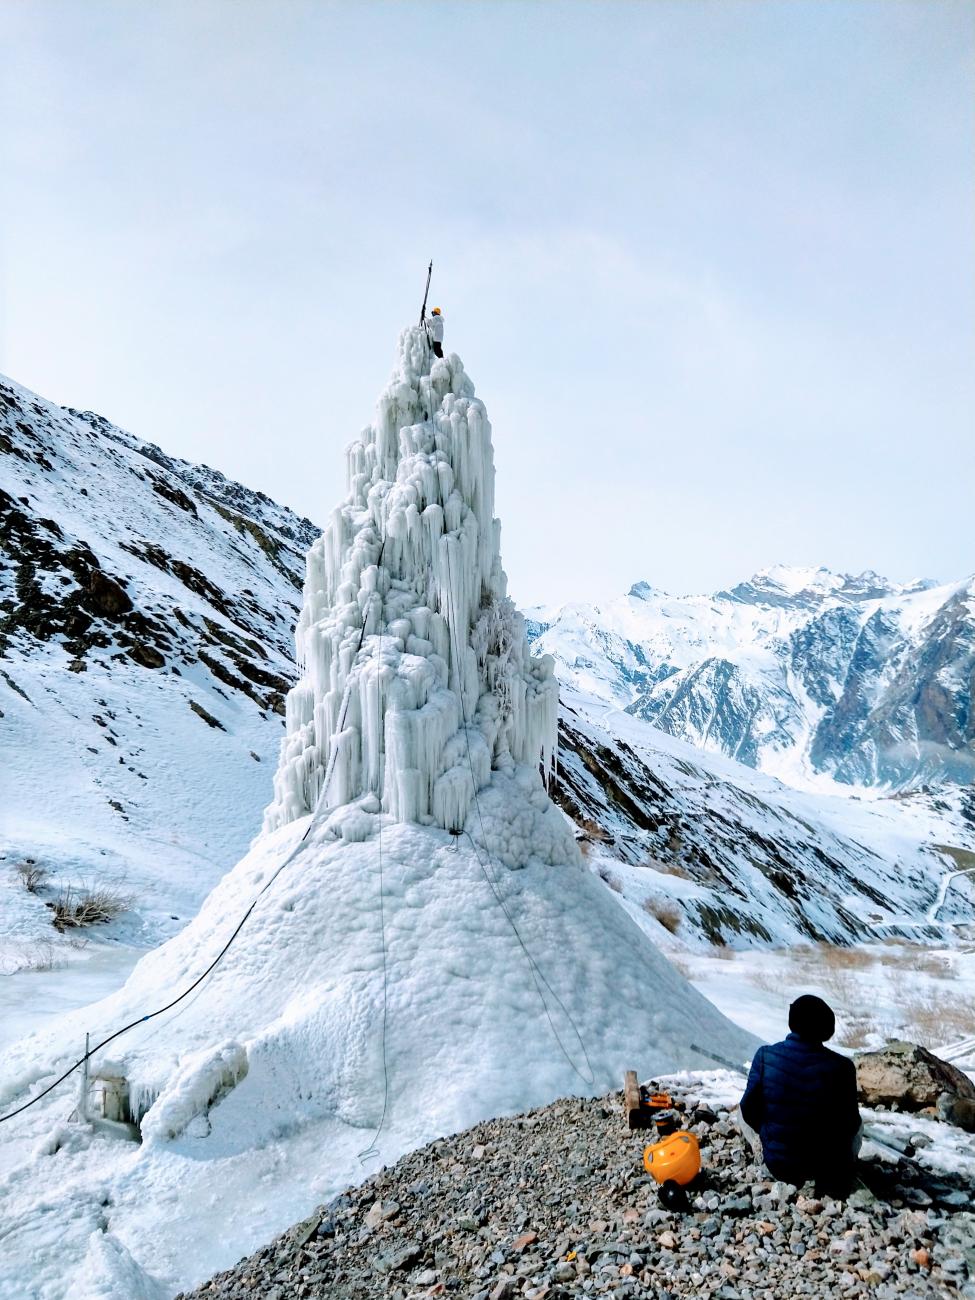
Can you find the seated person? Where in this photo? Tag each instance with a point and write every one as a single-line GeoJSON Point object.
{"type": "Point", "coordinates": [801, 1098]}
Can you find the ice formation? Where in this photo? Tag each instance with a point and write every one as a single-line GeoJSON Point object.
{"type": "Point", "coordinates": [416, 680]}
{"type": "Point", "coordinates": [393, 983]}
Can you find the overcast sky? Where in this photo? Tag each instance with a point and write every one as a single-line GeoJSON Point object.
{"type": "Point", "coordinates": [709, 265]}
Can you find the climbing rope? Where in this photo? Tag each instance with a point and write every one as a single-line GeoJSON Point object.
{"type": "Point", "coordinates": [141, 1020]}
{"type": "Point", "coordinates": [538, 975]}
{"type": "Point", "coordinates": [371, 1152]}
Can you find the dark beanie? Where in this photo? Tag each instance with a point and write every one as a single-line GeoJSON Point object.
{"type": "Point", "coordinates": [811, 1017]}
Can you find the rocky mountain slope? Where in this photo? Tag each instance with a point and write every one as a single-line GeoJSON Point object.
{"type": "Point", "coordinates": [555, 1204]}
{"type": "Point", "coordinates": [147, 611]}
{"type": "Point", "coordinates": [714, 852]}
{"type": "Point", "coordinates": [799, 672]}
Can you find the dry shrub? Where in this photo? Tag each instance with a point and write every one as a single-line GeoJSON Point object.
{"type": "Point", "coordinates": [80, 905]}
{"type": "Point", "coordinates": [933, 1021]}
{"type": "Point", "coordinates": [836, 958]}
{"type": "Point", "coordinates": [668, 914]}
{"type": "Point", "coordinates": [912, 957]}
{"type": "Point", "coordinates": [668, 868]}
{"type": "Point", "coordinates": [611, 879]}
{"type": "Point", "coordinates": [856, 1033]}
{"type": "Point", "coordinates": [43, 958]}
{"type": "Point", "coordinates": [722, 950]}
{"type": "Point", "coordinates": [595, 833]}
{"type": "Point", "coordinates": [32, 875]}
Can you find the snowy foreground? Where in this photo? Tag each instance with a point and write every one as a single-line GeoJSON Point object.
{"type": "Point", "coordinates": [290, 1030]}
{"type": "Point", "coordinates": [430, 949]}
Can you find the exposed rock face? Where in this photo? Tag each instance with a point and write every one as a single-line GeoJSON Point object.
{"type": "Point", "coordinates": [908, 1077]}
{"type": "Point", "coordinates": [146, 616]}
{"type": "Point", "coordinates": [715, 851]}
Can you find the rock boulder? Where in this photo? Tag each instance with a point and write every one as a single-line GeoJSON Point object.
{"type": "Point", "coordinates": [908, 1077]}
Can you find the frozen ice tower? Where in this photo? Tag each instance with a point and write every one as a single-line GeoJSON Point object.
{"type": "Point", "coordinates": [416, 680]}
{"type": "Point", "coordinates": [392, 982]}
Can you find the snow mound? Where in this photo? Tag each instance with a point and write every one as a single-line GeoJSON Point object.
{"type": "Point", "coordinates": [110, 1273]}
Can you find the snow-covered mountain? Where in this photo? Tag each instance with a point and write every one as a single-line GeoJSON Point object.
{"type": "Point", "coordinates": [703, 850]}
{"type": "Point", "coordinates": [798, 672]}
{"type": "Point", "coordinates": [147, 609]}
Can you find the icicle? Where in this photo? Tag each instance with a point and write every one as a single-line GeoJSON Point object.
{"type": "Point", "coordinates": [415, 674]}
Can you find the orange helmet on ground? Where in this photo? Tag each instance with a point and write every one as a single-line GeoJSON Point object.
{"type": "Point", "coordinates": [677, 1158]}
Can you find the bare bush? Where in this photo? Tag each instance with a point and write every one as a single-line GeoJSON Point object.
{"type": "Point", "coordinates": [832, 957]}
{"type": "Point", "coordinates": [668, 914]}
{"type": "Point", "coordinates": [611, 879]}
{"type": "Point", "coordinates": [79, 905]}
{"type": "Point", "coordinates": [32, 875]}
{"type": "Point", "coordinates": [932, 1021]}
{"type": "Point", "coordinates": [44, 957]}
{"type": "Point", "coordinates": [913, 957]}
{"type": "Point", "coordinates": [668, 868]}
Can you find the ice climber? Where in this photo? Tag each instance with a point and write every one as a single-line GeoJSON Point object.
{"type": "Point", "coordinates": [435, 327]}
{"type": "Point", "coordinates": [801, 1099]}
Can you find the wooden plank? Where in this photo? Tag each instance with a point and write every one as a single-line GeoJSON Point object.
{"type": "Point", "coordinates": [637, 1115]}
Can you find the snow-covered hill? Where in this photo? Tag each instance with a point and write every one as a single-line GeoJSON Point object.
{"type": "Point", "coordinates": [147, 609]}
{"type": "Point", "coordinates": [799, 672]}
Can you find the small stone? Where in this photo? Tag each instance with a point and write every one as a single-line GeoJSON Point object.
{"type": "Point", "coordinates": [737, 1205]}
{"type": "Point", "coordinates": [478, 1152]}
{"type": "Point", "coordinates": [668, 1240]}
{"type": "Point", "coordinates": [524, 1241]}
{"type": "Point", "coordinates": [504, 1290]}
{"type": "Point", "coordinates": [373, 1217]}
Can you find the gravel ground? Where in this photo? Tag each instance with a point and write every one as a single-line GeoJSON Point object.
{"type": "Point", "coordinates": [556, 1203]}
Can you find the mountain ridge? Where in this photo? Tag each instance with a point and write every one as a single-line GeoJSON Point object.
{"type": "Point", "coordinates": [800, 672]}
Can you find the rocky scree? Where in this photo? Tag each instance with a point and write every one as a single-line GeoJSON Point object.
{"type": "Point", "coordinates": [555, 1203]}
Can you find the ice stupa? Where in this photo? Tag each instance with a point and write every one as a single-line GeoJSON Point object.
{"type": "Point", "coordinates": [430, 948]}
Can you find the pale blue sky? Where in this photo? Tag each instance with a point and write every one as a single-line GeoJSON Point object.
{"type": "Point", "coordinates": [710, 265]}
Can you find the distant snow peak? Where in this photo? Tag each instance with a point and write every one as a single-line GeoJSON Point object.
{"type": "Point", "coordinates": [644, 591]}
{"type": "Point", "coordinates": [783, 584]}
{"type": "Point", "coordinates": [800, 671]}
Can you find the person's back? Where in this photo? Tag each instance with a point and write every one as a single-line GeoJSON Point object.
{"type": "Point", "coordinates": [802, 1100]}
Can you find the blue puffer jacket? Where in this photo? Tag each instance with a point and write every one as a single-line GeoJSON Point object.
{"type": "Point", "coordinates": [802, 1100]}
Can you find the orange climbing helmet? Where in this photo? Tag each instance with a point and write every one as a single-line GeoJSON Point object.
{"type": "Point", "coordinates": [435, 312]}
{"type": "Point", "coordinates": [676, 1159]}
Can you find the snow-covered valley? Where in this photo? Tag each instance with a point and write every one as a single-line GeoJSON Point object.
{"type": "Point", "coordinates": [440, 923]}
